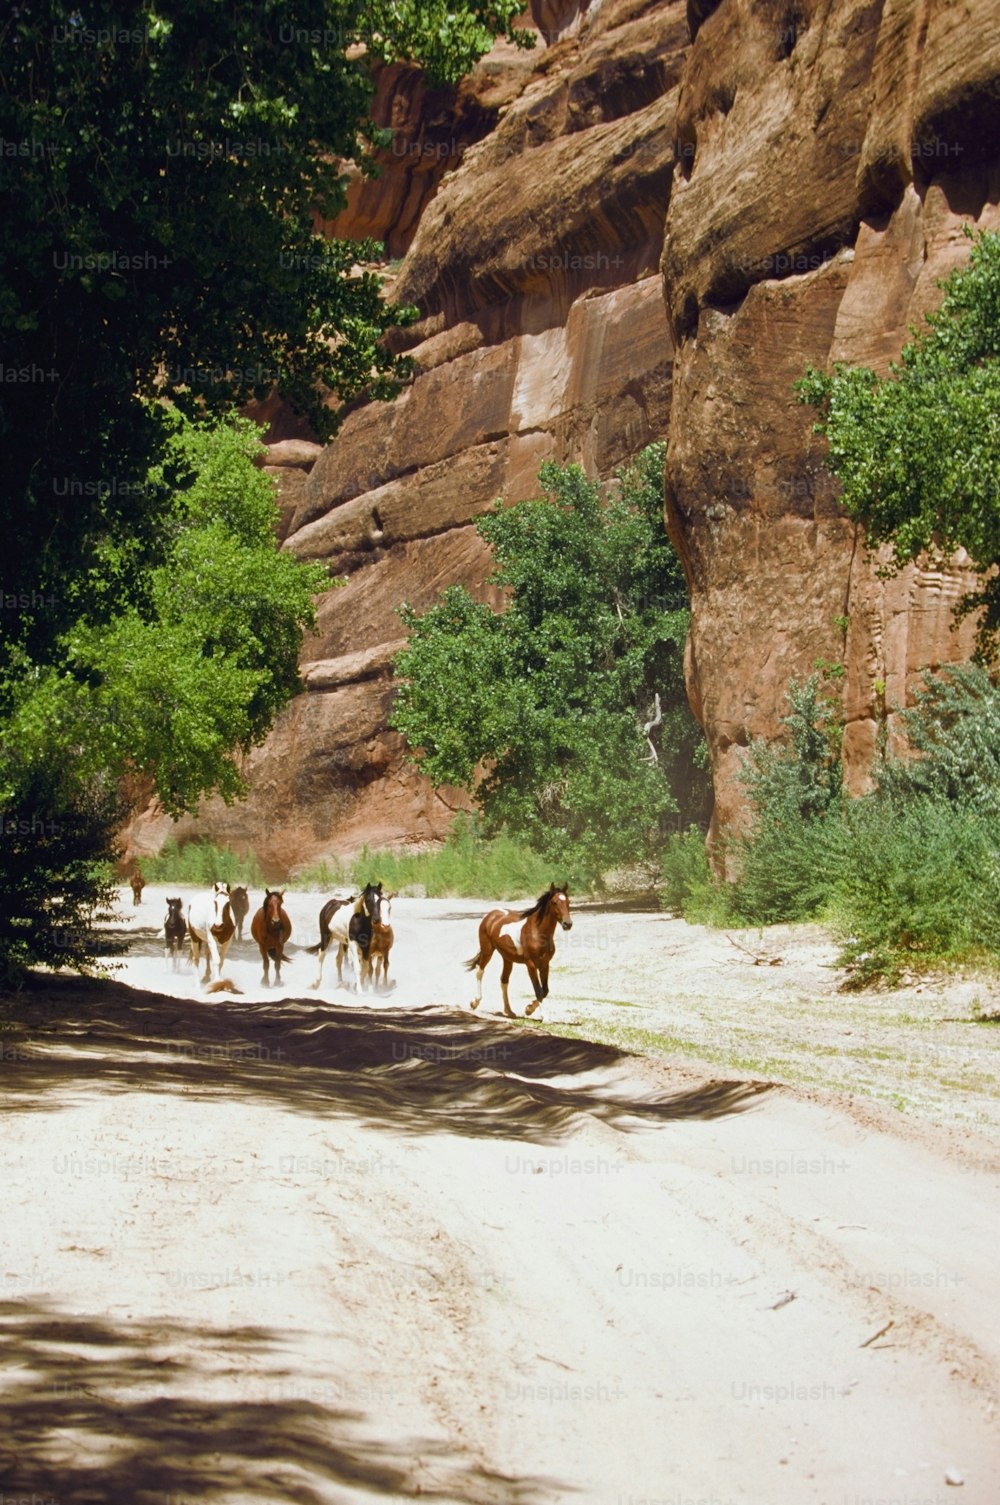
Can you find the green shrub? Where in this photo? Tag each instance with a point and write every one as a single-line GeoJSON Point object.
{"type": "Point", "coordinates": [915, 882]}
{"type": "Point", "coordinates": [688, 885]}
{"type": "Point", "coordinates": [785, 861]}
{"type": "Point", "coordinates": [199, 864]}
{"type": "Point", "coordinates": [907, 875]}
{"type": "Point", "coordinates": [954, 730]}
{"type": "Point", "coordinates": [467, 866]}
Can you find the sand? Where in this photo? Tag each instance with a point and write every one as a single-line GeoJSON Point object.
{"type": "Point", "coordinates": [316, 1247]}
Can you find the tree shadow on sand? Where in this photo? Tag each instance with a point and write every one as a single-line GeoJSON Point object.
{"type": "Point", "coordinates": [98, 1414]}
{"type": "Point", "coordinates": [417, 1071]}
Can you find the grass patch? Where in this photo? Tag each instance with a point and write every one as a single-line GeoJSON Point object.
{"type": "Point", "coordinates": [467, 866]}
{"type": "Point", "coordinates": [199, 864]}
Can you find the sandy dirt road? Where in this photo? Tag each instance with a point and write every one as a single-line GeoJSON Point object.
{"type": "Point", "coordinates": [316, 1247]}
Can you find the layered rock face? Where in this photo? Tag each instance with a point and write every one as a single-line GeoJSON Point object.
{"type": "Point", "coordinates": [529, 205]}
{"type": "Point", "coordinates": [649, 226]}
{"type": "Point", "coordinates": [829, 155]}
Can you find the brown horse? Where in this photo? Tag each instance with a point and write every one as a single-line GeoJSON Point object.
{"type": "Point", "coordinates": [522, 935]}
{"type": "Point", "coordinates": [381, 942]}
{"type": "Point", "coordinates": [174, 930]}
{"type": "Point", "coordinates": [270, 928]}
{"type": "Point", "coordinates": [138, 883]}
{"type": "Point", "coordinates": [240, 901]}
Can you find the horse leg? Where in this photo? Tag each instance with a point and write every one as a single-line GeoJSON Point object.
{"type": "Point", "coordinates": [508, 967]}
{"type": "Point", "coordinates": [359, 968]}
{"type": "Point", "coordinates": [482, 962]}
{"type": "Point", "coordinates": [322, 959]}
{"type": "Point", "coordinates": [540, 982]}
{"type": "Point", "coordinates": [211, 954]}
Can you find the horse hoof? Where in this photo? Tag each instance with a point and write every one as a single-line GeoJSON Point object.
{"type": "Point", "coordinates": [530, 1009]}
{"type": "Point", "coordinates": [474, 1004]}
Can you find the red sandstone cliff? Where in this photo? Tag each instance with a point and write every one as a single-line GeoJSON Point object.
{"type": "Point", "coordinates": [649, 226]}
{"type": "Point", "coordinates": [829, 156]}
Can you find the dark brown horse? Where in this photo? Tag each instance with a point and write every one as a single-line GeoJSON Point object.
{"type": "Point", "coordinates": [270, 928]}
{"type": "Point", "coordinates": [174, 930]}
{"type": "Point", "coordinates": [138, 883]}
{"type": "Point", "coordinates": [522, 935]}
{"type": "Point", "coordinates": [239, 899]}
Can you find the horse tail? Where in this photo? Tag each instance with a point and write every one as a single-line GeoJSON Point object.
{"type": "Point", "coordinates": [312, 950]}
{"type": "Point", "coordinates": [472, 963]}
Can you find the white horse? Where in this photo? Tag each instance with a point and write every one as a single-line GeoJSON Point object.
{"type": "Point", "coordinates": [211, 928]}
{"type": "Point", "coordinates": [335, 925]}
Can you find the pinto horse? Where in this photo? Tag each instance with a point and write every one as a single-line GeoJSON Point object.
{"type": "Point", "coordinates": [348, 921]}
{"type": "Point", "coordinates": [270, 928]}
{"type": "Point", "coordinates": [522, 935]}
{"type": "Point", "coordinates": [211, 928]}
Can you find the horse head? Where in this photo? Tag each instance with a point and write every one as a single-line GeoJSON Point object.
{"type": "Point", "coordinates": [559, 903]}
{"type": "Point", "coordinates": [372, 902]}
{"type": "Point", "coordinates": [273, 901]}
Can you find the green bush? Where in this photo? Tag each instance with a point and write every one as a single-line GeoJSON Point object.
{"type": "Point", "coordinates": [199, 864]}
{"type": "Point", "coordinates": [688, 885]}
{"type": "Point", "coordinates": [907, 875]}
{"type": "Point", "coordinates": [915, 881]}
{"type": "Point", "coordinates": [785, 861]}
{"type": "Point", "coordinates": [954, 730]}
{"type": "Point", "coordinates": [467, 866]}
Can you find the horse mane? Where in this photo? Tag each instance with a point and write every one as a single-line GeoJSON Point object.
{"type": "Point", "coordinates": [542, 902]}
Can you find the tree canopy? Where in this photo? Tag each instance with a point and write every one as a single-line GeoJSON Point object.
{"type": "Point", "coordinates": [541, 709]}
{"type": "Point", "coordinates": [918, 452]}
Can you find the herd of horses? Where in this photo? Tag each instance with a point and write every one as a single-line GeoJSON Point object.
{"type": "Point", "coordinates": [360, 927]}
{"type": "Point", "coordinates": [211, 921]}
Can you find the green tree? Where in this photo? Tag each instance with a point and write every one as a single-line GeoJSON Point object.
{"type": "Point", "coordinates": [918, 452]}
{"type": "Point", "coordinates": [548, 710]}
{"type": "Point", "coordinates": [169, 688]}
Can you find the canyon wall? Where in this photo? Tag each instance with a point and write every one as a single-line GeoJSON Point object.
{"type": "Point", "coordinates": [829, 156]}
{"type": "Point", "coordinates": [644, 229]}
